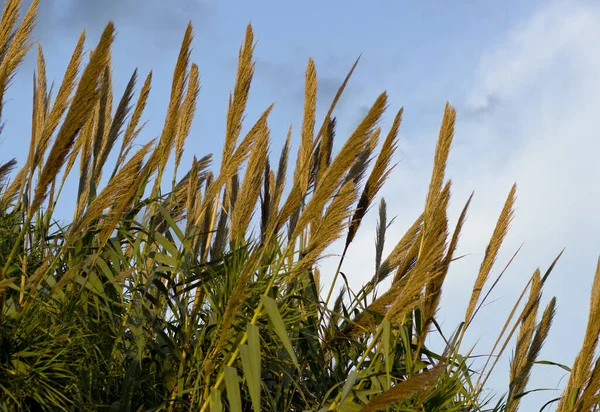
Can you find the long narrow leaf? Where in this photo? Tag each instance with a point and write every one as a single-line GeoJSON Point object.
{"type": "Point", "coordinates": [279, 326]}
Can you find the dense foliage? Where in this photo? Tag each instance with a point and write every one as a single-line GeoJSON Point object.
{"type": "Point", "coordinates": [202, 290]}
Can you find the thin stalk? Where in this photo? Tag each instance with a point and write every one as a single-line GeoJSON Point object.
{"type": "Point", "coordinates": [515, 326]}
{"type": "Point", "coordinates": [335, 277]}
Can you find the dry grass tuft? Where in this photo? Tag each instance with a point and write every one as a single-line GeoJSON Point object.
{"type": "Point", "coordinates": [188, 108]}
{"type": "Point", "coordinates": [344, 160]}
{"type": "Point", "coordinates": [433, 292]}
{"type": "Point", "coordinates": [400, 252]}
{"type": "Point", "coordinates": [132, 130]}
{"type": "Point", "coordinates": [237, 102]}
{"type": "Point", "coordinates": [379, 174]}
{"type": "Point", "coordinates": [186, 291]}
{"type": "Point", "coordinates": [576, 393]}
{"type": "Point", "coordinates": [118, 121]}
{"type": "Point", "coordinates": [84, 100]}
{"type": "Point", "coordinates": [250, 187]}
{"type": "Point", "coordinates": [491, 252]}
{"type": "Point", "coordinates": [6, 169]}
{"type": "Point", "coordinates": [302, 171]}
{"type": "Point", "coordinates": [382, 226]}
{"type": "Point", "coordinates": [115, 197]}
{"type": "Point", "coordinates": [15, 42]}
{"type": "Point", "coordinates": [329, 228]}
{"type": "Point", "coordinates": [519, 367]}
{"type": "Point", "coordinates": [404, 389]}
{"type": "Point", "coordinates": [442, 152]}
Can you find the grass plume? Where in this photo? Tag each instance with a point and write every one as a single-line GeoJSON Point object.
{"type": "Point", "coordinates": [212, 293]}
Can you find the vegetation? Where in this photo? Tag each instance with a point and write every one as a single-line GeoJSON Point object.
{"type": "Point", "coordinates": [203, 292]}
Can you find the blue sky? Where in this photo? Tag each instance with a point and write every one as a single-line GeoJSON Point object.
{"type": "Point", "coordinates": [522, 75]}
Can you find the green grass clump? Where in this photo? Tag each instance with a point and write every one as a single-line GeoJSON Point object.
{"type": "Point", "coordinates": [201, 290]}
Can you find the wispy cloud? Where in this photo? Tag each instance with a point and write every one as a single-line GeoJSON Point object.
{"type": "Point", "coordinates": [545, 138]}
{"type": "Point", "coordinates": [527, 114]}
{"type": "Point", "coordinates": [287, 79]}
{"type": "Point", "coordinates": [159, 21]}
{"type": "Point", "coordinates": [480, 110]}
{"type": "Point", "coordinates": [530, 116]}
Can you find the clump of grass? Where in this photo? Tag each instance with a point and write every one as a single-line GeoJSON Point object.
{"type": "Point", "coordinates": [204, 292]}
{"type": "Point", "coordinates": [583, 389]}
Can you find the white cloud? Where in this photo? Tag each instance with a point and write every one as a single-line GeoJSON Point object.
{"type": "Point", "coordinates": [544, 136]}
{"type": "Point", "coordinates": [542, 132]}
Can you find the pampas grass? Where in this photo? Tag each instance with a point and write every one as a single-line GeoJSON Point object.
{"type": "Point", "coordinates": [206, 291]}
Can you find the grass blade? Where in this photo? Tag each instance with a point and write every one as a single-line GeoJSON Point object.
{"type": "Point", "coordinates": [279, 326]}
{"type": "Point", "coordinates": [232, 384]}
{"type": "Point", "coordinates": [251, 359]}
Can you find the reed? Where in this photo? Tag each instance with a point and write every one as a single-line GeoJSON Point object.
{"type": "Point", "coordinates": [206, 292]}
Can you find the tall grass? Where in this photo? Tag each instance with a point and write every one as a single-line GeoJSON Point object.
{"type": "Point", "coordinates": [202, 291]}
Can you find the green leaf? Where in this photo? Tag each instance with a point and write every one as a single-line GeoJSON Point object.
{"type": "Point", "coordinates": [169, 261]}
{"type": "Point", "coordinates": [279, 326]}
{"type": "Point", "coordinates": [544, 362]}
{"type": "Point", "coordinates": [350, 406]}
{"type": "Point", "coordinates": [386, 350]}
{"type": "Point", "coordinates": [251, 358]}
{"type": "Point", "coordinates": [215, 401]}
{"type": "Point", "coordinates": [127, 386]}
{"type": "Point", "coordinates": [533, 391]}
{"type": "Point", "coordinates": [21, 367]}
{"type": "Point", "coordinates": [350, 381]}
{"type": "Point", "coordinates": [232, 384]}
{"type": "Point", "coordinates": [550, 402]}
{"type": "Point", "coordinates": [254, 347]}
{"type": "Point", "coordinates": [104, 268]}
{"type": "Point", "coordinates": [91, 282]}
{"type": "Point", "coordinates": [407, 348]}
{"type": "Point", "coordinates": [116, 254]}
{"type": "Point", "coordinates": [166, 244]}
{"type": "Point", "coordinates": [171, 222]}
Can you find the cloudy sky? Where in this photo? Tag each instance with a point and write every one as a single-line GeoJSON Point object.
{"type": "Point", "coordinates": [522, 75]}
